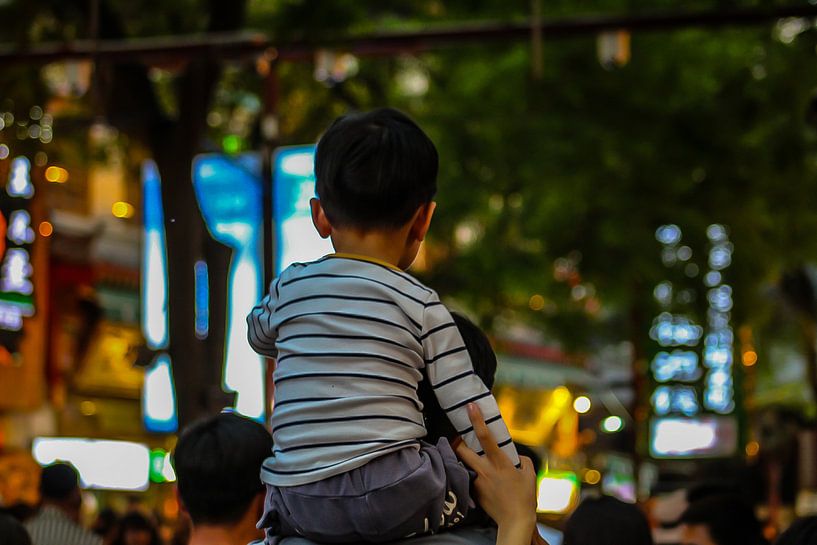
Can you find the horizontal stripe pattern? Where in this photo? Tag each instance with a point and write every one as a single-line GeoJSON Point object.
{"type": "Point", "coordinates": [351, 339]}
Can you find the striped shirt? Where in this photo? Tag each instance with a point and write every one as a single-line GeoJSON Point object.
{"type": "Point", "coordinates": [351, 337]}
{"type": "Point", "coordinates": [53, 527]}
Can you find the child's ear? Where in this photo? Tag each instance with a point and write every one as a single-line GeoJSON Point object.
{"type": "Point", "coordinates": [319, 219]}
{"type": "Point", "coordinates": [422, 221]}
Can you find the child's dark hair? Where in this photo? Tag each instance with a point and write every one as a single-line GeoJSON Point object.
{"type": "Point", "coordinates": [374, 170]}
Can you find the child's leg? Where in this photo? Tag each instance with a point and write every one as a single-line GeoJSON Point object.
{"type": "Point", "coordinates": [407, 492]}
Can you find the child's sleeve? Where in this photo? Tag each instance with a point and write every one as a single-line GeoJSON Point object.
{"type": "Point", "coordinates": [451, 376]}
{"type": "Point", "coordinates": [261, 332]}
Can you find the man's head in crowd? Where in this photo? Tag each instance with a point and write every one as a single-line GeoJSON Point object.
{"type": "Point", "coordinates": [218, 463]}
{"type": "Point", "coordinates": [59, 486]}
{"type": "Point", "coordinates": [722, 519]}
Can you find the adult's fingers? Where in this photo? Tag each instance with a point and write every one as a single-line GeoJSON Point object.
{"type": "Point", "coordinates": [469, 457]}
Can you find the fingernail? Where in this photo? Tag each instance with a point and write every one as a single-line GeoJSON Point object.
{"type": "Point", "coordinates": [472, 408]}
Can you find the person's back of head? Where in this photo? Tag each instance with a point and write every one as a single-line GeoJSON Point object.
{"type": "Point", "coordinates": [607, 521]}
{"type": "Point", "coordinates": [374, 170]}
{"type": "Point", "coordinates": [59, 486]}
{"type": "Point", "coordinates": [801, 532]}
{"type": "Point", "coordinates": [218, 464]}
{"type": "Point", "coordinates": [727, 518]}
{"type": "Point", "coordinates": [12, 531]}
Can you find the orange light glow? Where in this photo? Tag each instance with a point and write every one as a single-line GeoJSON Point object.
{"type": "Point", "coordinates": [56, 175]}
{"type": "Point", "coordinates": [46, 229]}
{"type": "Point", "coordinates": [749, 358]}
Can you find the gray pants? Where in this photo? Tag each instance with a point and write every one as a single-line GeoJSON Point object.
{"type": "Point", "coordinates": [403, 493]}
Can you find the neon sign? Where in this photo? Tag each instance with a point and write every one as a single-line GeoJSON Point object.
{"type": "Point", "coordinates": [158, 391]}
{"type": "Point", "coordinates": [229, 193]}
{"type": "Point", "coordinates": [693, 394]}
{"type": "Point", "coordinates": [16, 237]}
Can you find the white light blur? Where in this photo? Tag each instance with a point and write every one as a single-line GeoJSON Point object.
{"type": "Point", "coordinates": [612, 424]}
{"type": "Point", "coordinates": [302, 243]}
{"type": "Point", "coordinates": [243, 368]}
{"type": "Point", "coordinates": [167, 470]}
{"type": "Point", "coordinates": [668, 234]}
{"type": "Point", "coordinates": [676, 436]}
{"type": "Point", "coordinates": [159, 395]}
{"type": "Point", "coordinates": [154, 293]}
{"type": "Point", "coordinates": [11, 317]}
{"type": "Point", "coordinates": [112, 465]}
{"type": "Point", "coordinates": [19, 184]}
{"type": "Point", "coordinates": [299, 164]}
{"type": "Point", "coordinates": [555, 494]}
{"type": "Point", "coordinates": [582, 404]}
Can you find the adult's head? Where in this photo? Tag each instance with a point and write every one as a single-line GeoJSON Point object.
{"type": "Point", "coordinates": [721, 519]}
{"type": "Point", "coordinates": [483, 359]}
{"type": "Point", "coordinates": [59, 486]}
{"type": "Point", "coordinates": [12, 531]}
{"type": "Point", "coordinates": [802, 532]}
{"type": "Point", "coordinates": [218, 463]}
{"type": "Point", "coordinates": [374, 170]}
{"type": "Point", "coordinates": [607, 521]}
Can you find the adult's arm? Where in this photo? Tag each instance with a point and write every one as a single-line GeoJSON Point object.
{"type": "Point", "coordinates": [506, 493]}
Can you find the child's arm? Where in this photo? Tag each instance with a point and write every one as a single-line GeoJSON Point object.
{"type": "Point", "coordinates": [451, 376]}
{"type": "Point", "coordinates": [260, 332]}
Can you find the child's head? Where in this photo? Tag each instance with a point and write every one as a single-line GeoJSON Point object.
{"type": "Point", "coordinates": [374, 170]}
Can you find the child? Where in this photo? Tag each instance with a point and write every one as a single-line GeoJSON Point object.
{"type": "Point", "coordinates": [353, 335]}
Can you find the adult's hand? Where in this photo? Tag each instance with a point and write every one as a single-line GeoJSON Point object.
{"type": "Point", "coordinates": [506, 493]}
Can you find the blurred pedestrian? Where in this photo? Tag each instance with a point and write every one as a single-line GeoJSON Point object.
{"type": "Point", "coordinates": [106, 525]}
{"type": "Point", "coordinates": [57, 521]}
{"type": "Point", "coordinates": [721, 519]}
{"type": "Point", "coordinates": [607, 521]}
{"type": "Point", "coordinates": [12, 531]}
{"type": "Point", "coordinates": [136, 529]}
{"type": "Point", "coordinates": [802, 532]}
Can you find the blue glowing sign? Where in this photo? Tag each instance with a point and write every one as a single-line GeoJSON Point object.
{"type": "Point", "coordinates": [158, 392]}
{"type": "Point", "coordinates": [294, 184]}
{"type": "Point", "coordinates": [16, 237]}
{"type": "Point", "coordinates": [202, 289]}
{"type": "Point", "coordinates": [229, 194]}
{"type": "Point", "coordinates": [154, 260]}
{"type": "Point", "coordinates": [159, 397]}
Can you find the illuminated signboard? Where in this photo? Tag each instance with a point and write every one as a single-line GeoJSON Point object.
{"type": "Point", "coordinates": [693, 397]}
{"type": "Point", "coordinates": [102, 464]}
{"type": "Point", "coordinates": [294, 184]}
{"type": "Point", "coordinates": [158, 392]}
{"type": "Point", "coordinates": [229, 193]}
{"type": "Point", "coordinates": [16, 237]}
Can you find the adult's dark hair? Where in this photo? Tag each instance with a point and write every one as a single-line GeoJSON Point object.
{"type": "Point", "coordinates": [12, 531]}
{"type": "Point", "coordinates": [59, 482]}
{"type": "Point", "coordinates": [136, 522]}
{"type": "Point", "coordinates": [607, 521]}
{"type": "Point", "coordinates": [375, 169]}
{"type": "Point", "coordinates": [218, 462]}
{"type": "Point", "coordinates": [483, 359]}
{"type": "Point", "coordinates": [801, 532]}
{"type": "Point", "coordinates": [729, 519]}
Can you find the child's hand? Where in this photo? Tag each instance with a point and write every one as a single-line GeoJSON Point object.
{"type": "Point", "coordinates": [506, 493]}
